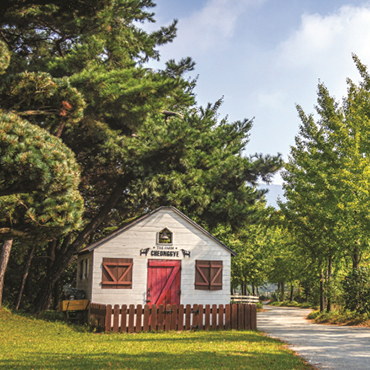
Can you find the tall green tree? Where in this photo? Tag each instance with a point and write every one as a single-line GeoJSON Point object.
{"type": "Point", "coordinates": [327, 177]}
{"type": "Point", "coordinates": [39, 179]}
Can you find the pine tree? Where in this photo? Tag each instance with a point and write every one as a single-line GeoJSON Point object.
{"type": "Point", "coordinates": [39, 177]}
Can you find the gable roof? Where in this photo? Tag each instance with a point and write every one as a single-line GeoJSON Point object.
{"type": "Point", "coordinates": [91, 247]}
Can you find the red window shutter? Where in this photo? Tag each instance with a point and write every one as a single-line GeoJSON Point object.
{"type": "Point", "coordinates": [208, 275]}
{"type": "Point", "coordinates": [202, 275]}
{"type": "Point", "coordinates": [117, 273]}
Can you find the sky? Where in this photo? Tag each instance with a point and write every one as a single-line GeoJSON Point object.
{"type": "Point", "coordinates": [265, 56]}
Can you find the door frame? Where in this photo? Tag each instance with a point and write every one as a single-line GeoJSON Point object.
{"type": "Point", "coordinates": [157, 263]}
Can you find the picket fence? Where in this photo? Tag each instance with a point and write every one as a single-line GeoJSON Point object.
{"type": "Point", "coordinates": [131, 319]}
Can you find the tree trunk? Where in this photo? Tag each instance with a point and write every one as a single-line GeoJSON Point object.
{"type": "Point", "coordinates": [328, 281]}
{"type": "Point", "coordinates": [291, 292]}
{"type": "Point", "coordinates": [4, 259]}
{"type": "Point", "coordinates": [355, 257]}
{"type": "Point", "coordinates": [282, 293]}
{"type": "Point", "coordinates": [322, 295]}
{"type": "Point", "coordinates": [253, 290]}
{"type": "Point", "coordinates": [25, 275]}
{"type": "Point", "coordinates": [56, 295]}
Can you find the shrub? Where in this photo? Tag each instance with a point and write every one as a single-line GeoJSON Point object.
{"type": "Point", "coordinates": [356, 290]}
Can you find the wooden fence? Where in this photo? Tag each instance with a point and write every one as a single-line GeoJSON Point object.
{"type": "Point", "coordinates": [131, 319]}
{"type": "Point", "coordinates": [236, 298]}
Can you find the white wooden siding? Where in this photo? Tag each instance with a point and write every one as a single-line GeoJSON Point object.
{"type": "Point", "coordinates": [143, 235]}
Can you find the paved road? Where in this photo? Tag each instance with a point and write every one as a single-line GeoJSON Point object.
{"type": "Point", "coordinates": [324, 346]}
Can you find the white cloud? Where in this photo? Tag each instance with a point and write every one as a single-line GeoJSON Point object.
{"type": "Point", "coordinates": [212, 26]}
{"type": "Point", "coordinates": [272, 99]}
{"type": "Point", "coordinates": [323, 45]}
{"type": "Point", "coordinates": [320, 49]}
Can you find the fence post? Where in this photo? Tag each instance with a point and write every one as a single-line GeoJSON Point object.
{"type": "Point", "coordinates": [146, 318]}
{"type": "Point", "coordinates": [228, 317]}
{"type": "Point", "coordinates": [139, 312]}
{"type": "Point", "coordinates": [131, 318]}
{"type": "Point", "coordinates": [195, 320]}
{"type": "Point", "coordinates": [234, 314]}
{"type": "Point", "coordinates": [115, 318]}
{"type": "Point", "coordinates": [181, 318]}
{"type": "Point", "coordinates": [188, 317]}
{"type": "Point", "coordinates": [214, 316]}
{"type": "Point", "coordinates": [201, 317]}
{"type": "Point", "coordinates": [168, 317]}
{"type": "Point", "coordinates": [153, 318]}
{"type": "Point", "coordinates": [108, 319]}
{"type": "Point", "coordinates": [254, 317]}
{"type": "Point", "coordinates": [174, 317]}
{"type": "Point", "coordinates": [160, 317]}
{"type": "Point", "coordinates": [124, 318]}
{"type": "Point", "coordinates": [247, 316]}
{"type": "Point", "coordinates": [207, 321]}
{"type": "Point", "coordinates": [221, 321]}
{"type": "Point", "coordinates": [241, 316]}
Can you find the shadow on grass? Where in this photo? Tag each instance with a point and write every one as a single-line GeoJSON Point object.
{"type": "Point", "coordinates": [157, 360]}
{"type": "Point", "coordinates": [200, 336]}
{"type": "Point", "coordinates": [199, 350]}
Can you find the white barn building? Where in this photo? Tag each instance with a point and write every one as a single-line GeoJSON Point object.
{"type": "Point", "coordinates": [161, 258]}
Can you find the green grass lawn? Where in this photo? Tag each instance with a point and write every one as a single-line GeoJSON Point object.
{"type": "Point", "coordinates": [30, 343]}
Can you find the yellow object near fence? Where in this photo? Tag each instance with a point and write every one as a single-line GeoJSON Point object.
{"type": "Point", "coordinates": [73, 305]}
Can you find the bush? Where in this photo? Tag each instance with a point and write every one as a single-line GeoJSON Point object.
{"type": "Point", "coordinates": [356, 290]}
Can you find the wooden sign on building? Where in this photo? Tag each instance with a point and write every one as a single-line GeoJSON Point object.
{"type": "Point", "coordinates": [161, 258]}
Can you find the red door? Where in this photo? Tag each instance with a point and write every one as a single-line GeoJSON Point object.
{"type": "Point", "coordinates": [163, 282]}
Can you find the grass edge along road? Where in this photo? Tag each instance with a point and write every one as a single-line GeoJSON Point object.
{"type": "Point", "coordinates": [30, 343]}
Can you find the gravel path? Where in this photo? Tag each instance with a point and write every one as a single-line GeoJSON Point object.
{"type": "Point", "coordinates": [324, 346]}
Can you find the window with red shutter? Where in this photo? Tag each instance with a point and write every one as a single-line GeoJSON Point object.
{"type": "Point", "coordinates": [208, 275]}
{"type": "Point", "coordinates": [117, 273]}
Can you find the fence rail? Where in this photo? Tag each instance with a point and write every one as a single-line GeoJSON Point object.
{"type": "Point", "coordinates": [131, 319]}
{"type": "Point", "coordinates": [236, 298]}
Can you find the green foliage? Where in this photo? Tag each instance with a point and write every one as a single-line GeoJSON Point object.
{"type": "Point", "coordinates": [356, 290]}
{"type": "Point", "coordinates": [327, 182]}
{"type": "Point", "coordinates": [55, 345]}
{"type": "Point", "coordinates": [196, 164]}
{"type": "Point", "coordinates": [293, 304]}
{"type": "Point", "coordinates": [49, 102]}
{"type": "Point", "coordinates": [340, 317]}
{"type": "Point", "coordinates": [327, 176]}
{"type": "Point", "coordinates": [38, 182]}
{"type": "Point", "coordinates": [4, 57]}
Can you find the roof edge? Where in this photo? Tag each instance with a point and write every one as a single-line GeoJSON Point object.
{"type": "Point", "coordinates": [105, 239]}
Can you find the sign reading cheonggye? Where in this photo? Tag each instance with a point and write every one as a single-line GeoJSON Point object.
{"type": "Point", "coordinates": [164, 251]}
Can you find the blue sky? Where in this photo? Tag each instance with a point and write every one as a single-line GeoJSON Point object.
{"type": "Point", "coordinates": [265, 56]}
